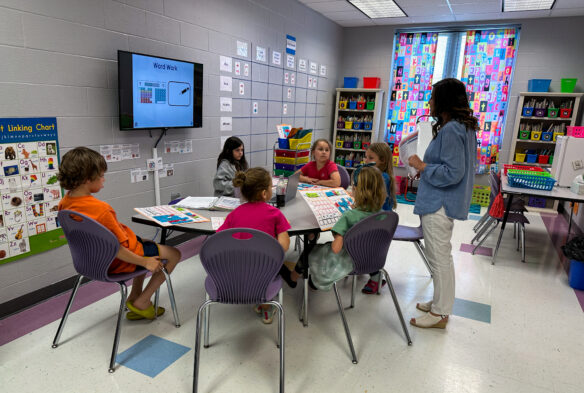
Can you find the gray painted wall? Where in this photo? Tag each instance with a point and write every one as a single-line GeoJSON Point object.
{"type": "Point", "coordinates": [59, 59]}
{"type": "Point", "coordinates": [548, 48]}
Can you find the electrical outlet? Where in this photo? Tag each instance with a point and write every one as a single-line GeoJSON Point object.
{"type": "Point", "coordinates": [578, 164]}
{"type": "Point", "coordinates": [174, 195]}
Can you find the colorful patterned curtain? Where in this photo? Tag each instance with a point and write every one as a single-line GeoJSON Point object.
{"type": "Point", "coordinates": [489, 58]}
{"type": "Point", "coordinates": [413, 68]}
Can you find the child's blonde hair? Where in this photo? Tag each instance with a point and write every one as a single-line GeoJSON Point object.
{"type": "Point", "coordinates": [383, 151]}
{"type": "Point", "coordinates": [369, 193]}
{"type": "Point", "coordinates": [252, 182]}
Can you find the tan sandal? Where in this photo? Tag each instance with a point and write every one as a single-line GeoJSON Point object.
{"type": "Point", "coordinates": [425, 307]}
{"type": "Point", "coordinates": [428, 321]}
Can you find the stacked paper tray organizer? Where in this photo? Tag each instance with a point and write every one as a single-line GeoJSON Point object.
{"type": "Point", "coordinates": [288, 161]}
{"type": "Point", "coordinates": [531, 179]}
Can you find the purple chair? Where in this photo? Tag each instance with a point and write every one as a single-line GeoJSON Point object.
{"type": "Point", "coordinates": [345, 178]}
{"type": "Point", "coordinates": [367, 242]}
{"type": "Point", "coordinates": [415, 235]}
{"type": "Point", "coordinates": [93, 248]}
{"type": "Point", "coordinates": [241, 271]}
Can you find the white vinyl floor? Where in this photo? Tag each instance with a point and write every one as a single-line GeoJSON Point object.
{"type": "Point", "coordinates": [532, 342]}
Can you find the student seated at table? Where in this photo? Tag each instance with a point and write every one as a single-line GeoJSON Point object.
{"type": "Point", "coordinates": [230, 160]}
{"type": "Point", "coordinates": [330, 261]}
{"type": "Point", "coordinates": [256, 188]}
{"type": "Point", "coordinates": [321, 171]}
{"type": "Point", "coordinates": [82, 173]}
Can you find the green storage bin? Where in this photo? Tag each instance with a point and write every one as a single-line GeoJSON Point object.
{"type": "Point", "coordinates": [568, 84]}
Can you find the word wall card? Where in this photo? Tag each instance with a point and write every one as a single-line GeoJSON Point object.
{"type": "Point", "coordinates": [29, 189]}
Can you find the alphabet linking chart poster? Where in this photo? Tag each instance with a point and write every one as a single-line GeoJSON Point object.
{"type": "Point", "coordinates": [328, 205]}
{"type": "Point", "coordinates": [29, 190]}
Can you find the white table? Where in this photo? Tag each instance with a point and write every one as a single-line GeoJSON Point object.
{"type": "Point", "coordinates": [557, 193]}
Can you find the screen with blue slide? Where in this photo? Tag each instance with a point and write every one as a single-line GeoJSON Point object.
{"type": "Point", "coordinates": [157, 92]}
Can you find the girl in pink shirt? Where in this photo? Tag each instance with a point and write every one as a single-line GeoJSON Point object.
{"type": "Point", "coordinates": [256, 188]}
{"type": "Point", "coordinates": [322, 170]}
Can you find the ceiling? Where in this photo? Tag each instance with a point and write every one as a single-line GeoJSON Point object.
{"type": "Point", "coordinates": [435, 11]}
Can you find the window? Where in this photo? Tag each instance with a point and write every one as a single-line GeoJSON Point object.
{"type": "Point", "coordinates": [482, 59]}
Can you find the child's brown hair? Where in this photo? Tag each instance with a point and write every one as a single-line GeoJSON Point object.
{"type": "Point", "coordinates": [383, 151]}
{"type": "Point", "coordinates": [369, 193]}
{"type": "Point", "coordinates": [252, 182]}
{"type": "Point", "coordinates": [79, 166]}
{"type": "Point", "coordinates": [316, 142]}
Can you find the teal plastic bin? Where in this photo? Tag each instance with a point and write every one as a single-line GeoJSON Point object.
{"type": "Point", "coordinates": [538, 85]}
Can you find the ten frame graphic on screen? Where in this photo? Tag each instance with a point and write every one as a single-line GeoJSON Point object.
{"type": "Point", "coordinates": [158, 92]}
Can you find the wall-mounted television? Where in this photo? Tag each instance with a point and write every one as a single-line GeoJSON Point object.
{"type": "Point", "coordinates": [157, 92]}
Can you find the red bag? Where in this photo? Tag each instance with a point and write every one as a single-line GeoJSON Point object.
{"type": "Point", "coordinates": [498, 207]}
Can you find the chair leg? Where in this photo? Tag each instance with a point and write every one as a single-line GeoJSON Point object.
{"type": "Point", "coordinates": [124, 296]}
{"type": "Point", "coordinates": [482, 230]}
{"type": "Point", "coordinates": [207, 316]}
{"type": "Point", "coordinates": [198, 344]}
{"type": "Point", "coordinates": [281, 302]}
{"type": "Point", "coordinates": [304, 306]}
{"type": "Point", "coordinates": [522, 232]}
{"type": "Point", "coordinates": [280, 340]}
{"type": "Point", "coordinates": [397, 307]}
{"type": "Point", "coordinates": [66, 313]}
{"type": "Point", "coordinates": [345, 325]}
{"type": "Point", "coordinates": [515, 232]}
{"type": "Point", "coordinates": [171, 296]}
{"type": "Point", "coordinates": [422, 252]}
{"type": "Point", "coordinates": [353, 289]}
{"type": "Point", "coordinates": [485, 237]}
{"type": "Point", "coordinates": [480, 222]}
{"type": "Point", "coordinates": [156, 302]}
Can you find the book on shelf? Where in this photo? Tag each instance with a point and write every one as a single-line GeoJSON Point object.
{"type": "Point", "coordinates": [165, 215]}
{"type": "Point", "coordinates": [210, 203]}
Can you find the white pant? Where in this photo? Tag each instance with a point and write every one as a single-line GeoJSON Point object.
{"type": "Point", "coordinates": [437, 235]}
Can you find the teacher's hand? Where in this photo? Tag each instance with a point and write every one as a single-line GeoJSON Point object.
{"type": "Point", "coordinates": [415, 162]}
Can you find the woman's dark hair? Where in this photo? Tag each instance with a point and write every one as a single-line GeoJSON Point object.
{"type": "Point", "coordinates": [450, 97]}
{"type": "Point", "coordinates": [231, 144]}
{"type": "Point", "coordinates": [252, 183]}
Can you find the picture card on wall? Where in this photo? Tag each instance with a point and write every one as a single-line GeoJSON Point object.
{"type": "Point", "coordinates": [225, 64]}
{"type": "Point", "coordinates": [302, 65]}
{"type": "Point", "coordinates": [260, 54]}
{"type": "Point", "coordinates": [242, 49]}
{"type": "Point", "coordinates": [226, 124]}
{"type": "Point", "coordinates": [322, 70]}
{"type": "Point", "coordinates": [290, 44]}
{"type": "Point", "coordinates": [225, 83]}
{"type": "Point", "coordinates": [226, 104]}
{"type": "Point", "coordinates": [276, 58]}
{"type": "Point", "coordinates": [313, 67]}
{"type": "Point", "coordinates": [290, 63]}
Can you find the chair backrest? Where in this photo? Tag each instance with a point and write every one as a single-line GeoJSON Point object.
{"type": "Point", "coordinates": [367, 242]}
{"type": "Point", "coordinates": [242, 268]}
{"type": "Point", "coordinates": [495, 184]}
{"type": "Point", "coordinates": [93, 247]}
{"type": "Point", "coordinates": [345, 178]}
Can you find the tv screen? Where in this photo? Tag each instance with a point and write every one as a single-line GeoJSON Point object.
{"type": "Point", "coordinates": [156, 92]}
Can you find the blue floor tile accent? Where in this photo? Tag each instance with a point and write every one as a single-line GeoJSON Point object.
{"type": "Point", "coordinates": [472, 310]}
{"type": "Point", "coordinates": [151, 355]}
{"type": "Point", "coordinates": [474, 217]}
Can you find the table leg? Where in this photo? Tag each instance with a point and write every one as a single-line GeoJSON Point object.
{"type": "Point", "coordinates": [570, 221]}
{"type": "Point", "coordinates": [505, 216]}
{"type": "Point", "coordinates": [163, 236]}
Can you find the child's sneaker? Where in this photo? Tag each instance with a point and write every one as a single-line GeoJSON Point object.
{"type": "Point", "coordinates": [268, 314]}
{"type": "Point", "coordinates": [371, 287]}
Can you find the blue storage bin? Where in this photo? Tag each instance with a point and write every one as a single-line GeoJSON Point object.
{"type": "Point", "coordinates": [357, 125]}
{"type": "Point", "coordinates": [547, 136]}
{"type": "Point", "coordinates": [367, 125]}
{"type": "Point", "coordinates": [283, 143]}
{"type": "Point", "coordinates": [527, 112]}
{"type": "Point", "coordinates": [352, 104]}
{"type": "Point", "coordinates": [577, 274]}
{"type": "Point", "coordinates": [531, 158]}
{"type": "Point", "coordinates": [351, 83]}
{"type": "Point", "coordinates": [288, 167]}
{"type": "Point", "coordinates": [538, 85]}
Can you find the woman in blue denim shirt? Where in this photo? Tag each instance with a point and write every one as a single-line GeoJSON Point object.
{"type": "Point", "coordinates": [444, 192]}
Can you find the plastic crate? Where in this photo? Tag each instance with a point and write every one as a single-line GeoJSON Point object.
{"type": "Point", "coordinates": [538, 85]}
{"type": "Point", "coordinates": [519, 172]}
{"type": "Point", "coordinates": [530, 181]}
{"type": "Point", "coordinates": [371, 83]}
{"type": "Point", "coordinates": [576, 131]}
{"type": "Point", "coordinates": [536, 202]}
{"type": "Point", "coordinates": [568, 85]}
{"type": "Point", "coordinates": [350, 82]}
{"type": "Point", "coordinates": [481, 195]}
{"type": "Point", "coordinates": [507, 167]}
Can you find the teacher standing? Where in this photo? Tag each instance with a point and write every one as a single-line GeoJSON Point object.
{"type": "Point", "coordinates": [444, 191]}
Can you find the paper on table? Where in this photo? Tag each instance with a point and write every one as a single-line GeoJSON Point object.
{"type": "Point", "coordinates": [216, 222]}
{"type": "Point", "coordinates": [197, 202]}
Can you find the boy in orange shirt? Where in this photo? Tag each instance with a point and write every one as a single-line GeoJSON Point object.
{"type": "Point", "coordinates": [82, 173]}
